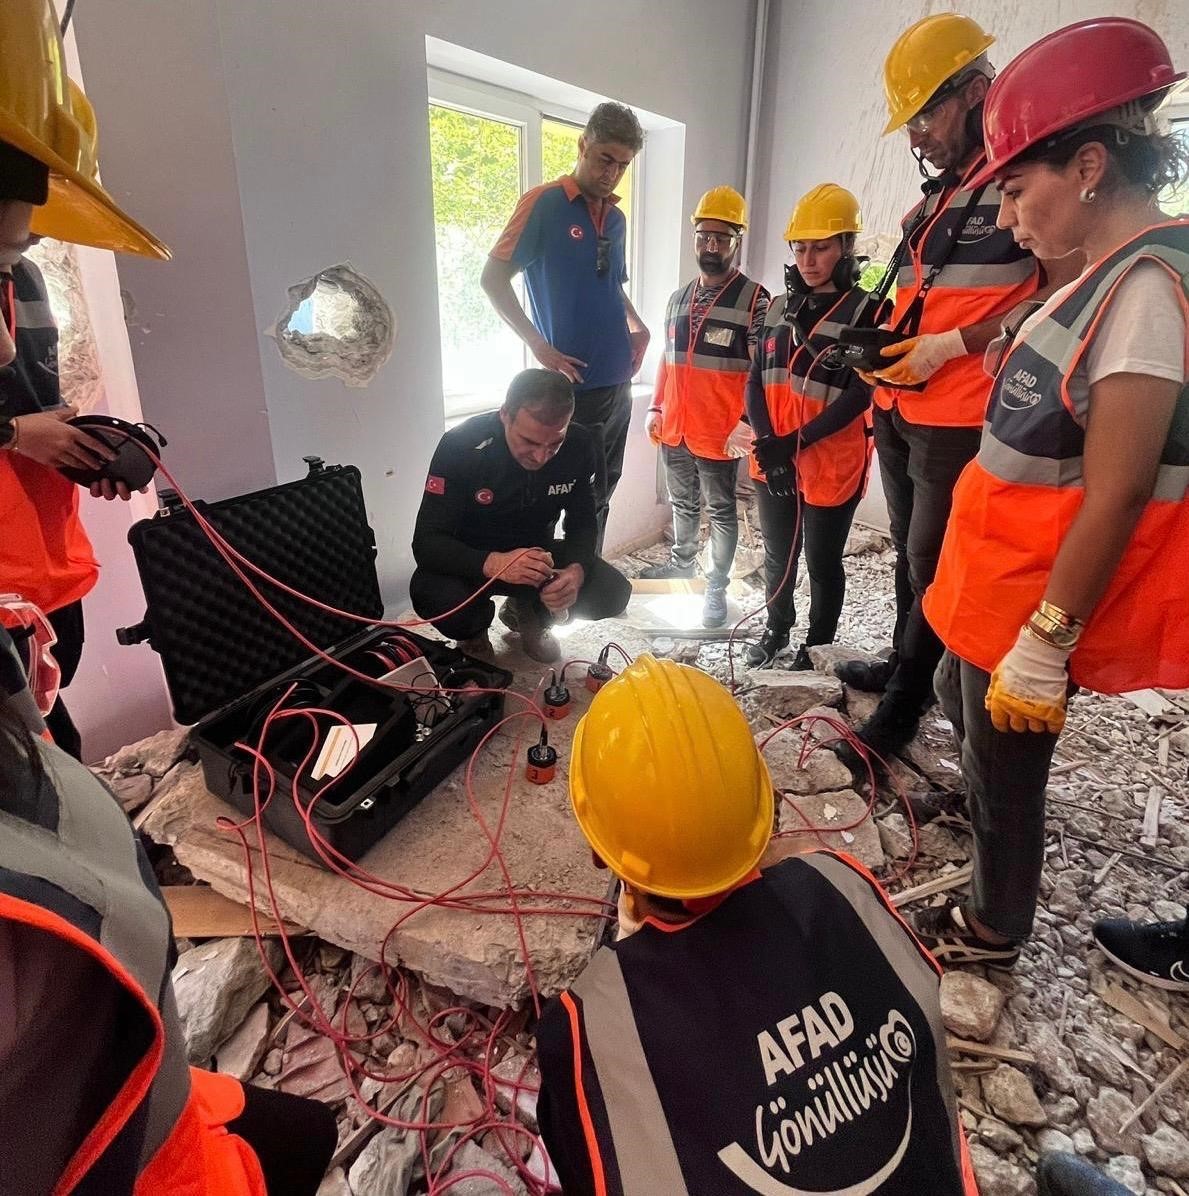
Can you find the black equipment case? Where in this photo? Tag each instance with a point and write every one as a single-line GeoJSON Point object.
{"type": "Point", "coordinates": [227, 660]}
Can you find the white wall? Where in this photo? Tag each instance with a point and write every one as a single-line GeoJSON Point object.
{"type": "Point", "coordinates": [823, 109]}
{"type": "Point", "coordinates": [265, 141]}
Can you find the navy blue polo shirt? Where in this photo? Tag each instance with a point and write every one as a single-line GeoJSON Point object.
{"type": "Point", "coordinates": [553, 237]}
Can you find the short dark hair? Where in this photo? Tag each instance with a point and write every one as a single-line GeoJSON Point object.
{"type": "Point", "coordinates": [22, 177]}
{"type": "Point", "coordinates": [545, 394]}
{"type": "Point", "coordinates": [617, 123]}
{"type": "Point", "coordinates": [1150, 162]}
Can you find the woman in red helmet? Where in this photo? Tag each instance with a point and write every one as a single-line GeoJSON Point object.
{"type": "Point", "coordinates": [1063, 563]}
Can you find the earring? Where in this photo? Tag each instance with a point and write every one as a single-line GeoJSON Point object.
{"type": "Point", "coordinates": [1088, 195]}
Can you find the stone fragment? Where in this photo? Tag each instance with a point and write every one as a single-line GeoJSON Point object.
{"type": "Point", "coordinates": [273, 1062]}
{"type": "Point", "coordinates": [1105, 1113]}
{"type": "Point", "coordinates": [933, 841]}
{"type": "Point", "coordinates": [999, 1177]}
{"type": "Point", "coordinates": [842, 809]}
{"type": "Point", "coordinates": [1061, 1109]}
{"type": "Point", "coordinates": [861, 540]}
{"type": "Point", "coordinates": [241, 1054]}
{"type": "Point", "coordinates": [1054, 1142]}
{"type": "Point", "coordinates": [472, 1157]}
{"type": "Point", "coordinates": [1064, 899]}
{"type": "Point", "coordinates": [1099, 1062]}
{"type": "Point", "coordinates": [970, 1006]}
{"type": "Point", "coordinates": [1009, 1093]}
{"type": "Point", "coordinates": [785, 694]}
{"type": "Point", "coordinates": [312, 1066]}
{"type": "Point", "coordinates": [1053, 1057]}
{"type": "Point", "coordinates": [155, 755]}
{"type": "Point", "coordinates": [132, 792]}
{"type": "Point", "coordinates": [1125, 1169]}
{"type": "Point", "coordinates": [216, 984]}
{"type": "Point", "coordinates": [999, 1137]}
{"type": "Point", "coordinates": [1167, 1151]}
{"type": "Point", "coordinates": [518, 1080]}
{"type": "Point", "coordinates": [1083, 1141]}
{"type": "Point", "coordinates": [385, 1165]}
{"type": "Point", "coordinates": [335, 1184]}
{"type": "Point", "coordinates": [826, 656]}
{"type": "Point", "coordinates": [821, 772]}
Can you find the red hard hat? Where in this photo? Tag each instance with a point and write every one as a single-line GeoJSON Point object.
{"type": "Point", "coordinates": [1067, 77]}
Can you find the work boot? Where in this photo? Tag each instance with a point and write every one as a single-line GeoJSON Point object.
{"type": "Point", "coordinates": [889, 728]}
{"type": "Point", "coordinates": [1156, 952]}
{"type": "Point", "coordinates": [669, 571]}
{"type": "Point", "coordinates": [945, 809]}
{"type": "Point", "coordinates": [801, 660]}
{"type": "Point", "coordinates": [714, 606]}
{"type": "Point", "coordinates": [535, 636]}
{"type": "Point", "coordinates": [761, 655]}
{"type": "Point", "coordinates": [871, 676]}
{"type": "Point", "coordinates": [478, 645]}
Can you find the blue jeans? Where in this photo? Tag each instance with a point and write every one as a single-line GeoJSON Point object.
{"type": "Point", "coordinates": [1067, 1175]}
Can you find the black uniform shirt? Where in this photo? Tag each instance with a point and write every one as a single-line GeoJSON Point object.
{"type": "Point", "coordinates": [30, 383]}
{"type": "Point", "coordinates": [479, 500]}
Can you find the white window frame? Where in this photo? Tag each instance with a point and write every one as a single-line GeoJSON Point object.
{"type": "Point", "coordinates": [492, 102]}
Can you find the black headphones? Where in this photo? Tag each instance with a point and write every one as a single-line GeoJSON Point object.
{"type": "Point", "coordinates": [846, 274]}
{"type": "Point", "coordinates": [131, 464]}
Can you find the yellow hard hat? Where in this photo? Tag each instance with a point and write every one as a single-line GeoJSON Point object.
{"type": "Point", "coordinates": [667, 783]}
{"type": "Point", "coordinates": [924, 57]}
{"type": "Point", "coordinates": [824, 212]}
{"type": "Point", "coordinates": [722, 203]}
{"type": "Point", "coordinates": [45, 115]}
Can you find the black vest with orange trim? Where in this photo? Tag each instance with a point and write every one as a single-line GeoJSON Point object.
{"type": "Point", "coordinates": [75, 885]}
{"type": "Point", "coordinates": [790, 1040]}
{"type": "Point", "coordinates": [702, 376]}
{"type": "Point", "coordinates": [985, 273]}
{"type": "Point", "coordinates": [1016, 501]}
{"type": "Point", "coordinates": [799, 383]}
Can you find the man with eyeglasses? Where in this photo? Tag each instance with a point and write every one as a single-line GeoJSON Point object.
{"type": "Point", "coordinates": [958, 275]}
{"type": "Point", "coordinates": [568, 237]}
{"type": "Point", "coordinates": [712, 327]}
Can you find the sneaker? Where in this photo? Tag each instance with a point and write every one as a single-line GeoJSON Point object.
{"type": "Point", "coordinates": [1155, 952]}
{"type": "Point", "coordinates": [670, 571]}
{"type": "Point", "coordinates": [714, 606]}
{"type": "Point", "coordinates": [872, 676]}
{"type": "Point", "coordinates": [946, 933]}
{"type": "Point", "coordinates": [801, 660]}
{"type": "Point", "coordinates": [944, 809]}
{"type": "Point", "coordinates": [761, 655]}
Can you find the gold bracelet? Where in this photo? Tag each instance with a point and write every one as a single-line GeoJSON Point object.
{"type": "Point", "coordinates": [1063, 638]}
{"type": "Point", "coordinates": [1062, 617]}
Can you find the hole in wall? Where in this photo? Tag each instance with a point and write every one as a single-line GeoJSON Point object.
{"type": "Point", "coordinates": [336, 325]}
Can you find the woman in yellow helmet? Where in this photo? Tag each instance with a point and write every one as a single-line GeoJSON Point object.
{"type": "Point", "coordinates": [810, 416]}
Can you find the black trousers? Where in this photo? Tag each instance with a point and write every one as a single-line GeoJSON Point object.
{"type": "Point", "coordinates": [823, 531]}
{"type": "Point", "coordinates": [293, 1137]}
{"type": "Point", "coordinates": [67, 623]}
{"type": "Point", "coordinates": [606, 412]}
{"type": "Point", "coordinates": [919, 467]}
{"type": "Point", "coordinates": [604, 594]}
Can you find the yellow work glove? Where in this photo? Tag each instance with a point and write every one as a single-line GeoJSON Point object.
{"type": "Point", "coordinates": [1029, 686]}
{"type": "Point", "coordinates": [921, 357]}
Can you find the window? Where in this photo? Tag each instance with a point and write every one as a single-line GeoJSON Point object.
{"type": "Point", "coordinates": [487, 147]}
{"type": "Point", "coordinates": [1175, 200]}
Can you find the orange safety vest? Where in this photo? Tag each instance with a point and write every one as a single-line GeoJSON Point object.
{"type": "Point", "coordinates": [985, 273]}
{"type": "Point", "coordinates": [45, 554]}
{"type": "Point", "coordinates": [702, 376]}
{"type": "Point", "coordinates": [69, 870]}
{"type": "Point", "coordinates": [799, 385]}
{"type": "Point", "coordinates": [1016, 500]}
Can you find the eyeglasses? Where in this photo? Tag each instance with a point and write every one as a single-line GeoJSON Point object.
{"type": "Point", "coordinates": [602, 256]}
{"type": "Point", "coordinates": [719, 240]}
{"type": "Point", "coordinates": [923, 120]}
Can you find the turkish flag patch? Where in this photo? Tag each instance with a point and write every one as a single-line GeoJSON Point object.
{"type": "Point", "coordinates": [576, 232]}
{"type": "Point", "coordinates": [770, 345]}
{"type": "Point", "coordinates": [484, 496]}
{"type": "Point", "coordinates": [435, 485]}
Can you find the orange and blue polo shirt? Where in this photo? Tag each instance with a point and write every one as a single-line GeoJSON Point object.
{"type": "Point", "coordinates": [572, 254]}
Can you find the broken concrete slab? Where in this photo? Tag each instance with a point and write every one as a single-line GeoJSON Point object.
{"type": "Point", "coordinates": [241, 1054]}
{"type": "Point", "coordinates": [132, 792]}
{"type": "Point", "coordinates": [779, 694]}
{"type": "Point", "coordinates": [216, 984]}
{"type": "Point", "coordinates": [155, 755]}
{"type": "Point", "coordinates": [821, 771]}
{"type": "Point", "coordinates": [842, 809]}
{"type": "Point", "coordinates": [472, 1157]}
{"type": "Point", "coordinates": [826, 656]}
{"type": "Point", "coordinates": [437, 846]}
{"type": "Point", "coordinates": [933, 841]}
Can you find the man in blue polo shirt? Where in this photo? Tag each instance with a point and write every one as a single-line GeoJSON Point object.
{"type": "Point", "coordinates": [568, 237]}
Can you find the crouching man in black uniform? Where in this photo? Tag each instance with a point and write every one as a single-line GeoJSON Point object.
{"type": "Point", "coordinates": [497, 486]}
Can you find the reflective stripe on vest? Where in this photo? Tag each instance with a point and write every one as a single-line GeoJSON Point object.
{"type": "Point", "coordinates": [69, 858]}
{"type": "Point", "coordinates": [663, 1140]}
{"type": "Point", "coordinates": [1015, 503]}
{"type": "Point", "coordinates": [700, 387]}
{"type": "Point", "coordinates": [985, 274]}
{"type": "Point", "coordinates": [798, 386]}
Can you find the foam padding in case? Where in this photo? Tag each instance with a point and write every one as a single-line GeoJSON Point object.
{"type": "Point", "coordinates": [215, 639]}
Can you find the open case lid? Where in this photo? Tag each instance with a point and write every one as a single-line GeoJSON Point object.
{"type": "Point", "coordinates": [215, 640]}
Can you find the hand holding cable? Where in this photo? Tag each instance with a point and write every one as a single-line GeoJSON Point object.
{"type": "Point", "coordinates": [520, 567]}
{"type": "Point", "coordinates": [921, 357]}
{"type": "Point", "coordinates": [1030, 684]}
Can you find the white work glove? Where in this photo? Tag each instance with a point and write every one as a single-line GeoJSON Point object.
{"type": "Point", "coordinates": [740, 442]}
{"type": "Point", "coordinates": [1029, 686]}
{"type": "Point", "coordinates": [653, 422]}
{"type": "Point", "coordinates": [921, 357]}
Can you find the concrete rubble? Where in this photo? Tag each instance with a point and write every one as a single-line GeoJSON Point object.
{"type": "Point", "coordinates": [1092, 1067]}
